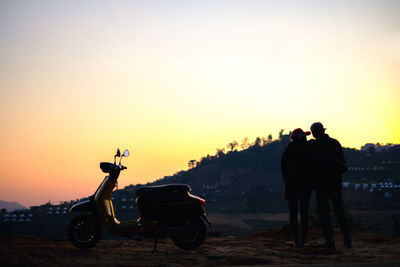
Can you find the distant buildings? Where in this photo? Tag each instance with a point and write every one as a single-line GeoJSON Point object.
{"type": "Point", "coordinates": [378, 147]}
{"type": "Point", "coordinates": [29, 216]}
{"type": "Point", "coordinates": [16, 217]}
{"type": "Point", "coordinates": [386, 189]}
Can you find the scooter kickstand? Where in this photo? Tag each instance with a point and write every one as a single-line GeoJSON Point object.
{"type": "Point", "coordinates": [155, 244]}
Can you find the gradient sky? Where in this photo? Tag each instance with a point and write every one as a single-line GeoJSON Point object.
{"type": "Point", "coordinates": [173, 80]}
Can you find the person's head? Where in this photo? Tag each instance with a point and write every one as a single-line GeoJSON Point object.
{"type": "Point", "coordinates": [298, 135]}
{"type": "Point", "coordinates": [317, 129]}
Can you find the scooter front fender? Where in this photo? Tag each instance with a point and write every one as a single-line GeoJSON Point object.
{"type": "Point", "coordinates": [84, 206]}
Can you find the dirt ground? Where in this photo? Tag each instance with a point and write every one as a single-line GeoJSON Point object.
{"type": "Point", "coordinates": [267, 247]}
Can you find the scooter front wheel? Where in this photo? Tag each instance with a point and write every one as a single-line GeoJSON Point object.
{"type": "Point", "coordinates": [194, 234]}
{"type": "Point", "coordinates": [84, 231]}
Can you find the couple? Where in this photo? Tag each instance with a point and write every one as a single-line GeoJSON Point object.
{"type": "Point", "coordinates": [317, 165]}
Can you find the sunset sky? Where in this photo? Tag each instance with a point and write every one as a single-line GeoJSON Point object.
{"type": "Point", "coordinates": [174, 80]}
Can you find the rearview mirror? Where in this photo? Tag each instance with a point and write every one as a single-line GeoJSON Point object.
{"type": "Point", "coordinates": [126, 154]}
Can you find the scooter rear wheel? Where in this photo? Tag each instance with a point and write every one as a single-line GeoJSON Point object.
{"type": "Point", "coordinates": [84, 231]}
{"type": "Point", "coordinates": [193, 236]}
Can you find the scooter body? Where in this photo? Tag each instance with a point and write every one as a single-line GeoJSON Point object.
{"type": "Point", "coordinates": [166, 210]}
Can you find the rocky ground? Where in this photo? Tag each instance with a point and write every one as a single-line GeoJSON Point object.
{"type": "Point", "coordinates": [267, 247]}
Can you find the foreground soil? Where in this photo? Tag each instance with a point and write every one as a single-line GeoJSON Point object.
{"type": "Point", "coordinates": [268, 247]}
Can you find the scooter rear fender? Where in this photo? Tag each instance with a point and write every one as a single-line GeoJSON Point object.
{"type": "Point", "coordinates": [84, 206]}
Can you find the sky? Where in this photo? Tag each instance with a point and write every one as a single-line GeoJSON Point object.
{"type": "Point", "coordinates": [173, 80]}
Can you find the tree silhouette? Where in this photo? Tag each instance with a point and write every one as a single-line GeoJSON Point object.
{"type": "Point", "coordinates": [245, 143]}
{"type": "Point", "coordinates": [220, 152]}
{"type": "Point", "coordinates": [269, 138]}
{"type": "Point", "coordinates": [258, 142]}
{"type": "Point", "coordinates": [192, 163]}
{"type": "Point", "coordinates": [204, 160]}
{"type": "Point", "coordinates": [281, 134]}
{"type": "Point", "coordinates": [232, 146]}
{"type": "Point", "coordinates": [264, 141]}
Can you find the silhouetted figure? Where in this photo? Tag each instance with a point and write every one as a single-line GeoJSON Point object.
{"type": "Point", "coordinates": [328, 165]}
{"type": "Point", "coordinates": [295, 173]}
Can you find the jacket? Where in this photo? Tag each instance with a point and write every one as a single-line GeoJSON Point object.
{"type": "Point", "coordinates": [327, 162]}
{"type": "Point", "coordinates": [295, 167]}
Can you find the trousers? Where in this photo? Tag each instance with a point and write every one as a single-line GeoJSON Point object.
{"type": "Point", "coordinates": [323, 197]}
{"type": "Point", "coordinates": [296, 200]}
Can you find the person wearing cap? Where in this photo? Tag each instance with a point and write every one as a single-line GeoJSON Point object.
{"type": "Point", "coordinates": [328, 166]}
{"type": "Point", "coordinates": [294, 167]}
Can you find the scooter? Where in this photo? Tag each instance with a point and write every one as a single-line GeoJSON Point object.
{"type": "Point", "coordinates": [164, 211]}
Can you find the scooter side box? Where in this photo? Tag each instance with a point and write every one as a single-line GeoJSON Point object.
{"type": "Point", "coordinates": [169, 210]}
{"type": "Point", "coordinates": [165, 202]}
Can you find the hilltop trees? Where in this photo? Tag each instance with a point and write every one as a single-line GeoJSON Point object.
{"type": "Point", "coordinates": [269, 138]}
{"type": "Point", "coordinates": [233, 145]}
{"type": "Point", "coordinates": [192, 163]}
{"type": "Point", "coordinates": [281, 134]}
{"type": "Point", "coordinates": [245, 143]}
{"type": "Point", "coordinates": [220, 152]}
{"type": "Point", "coordinates": [234, 155]}
{"type": "Point", "coordinates": [258, 142]}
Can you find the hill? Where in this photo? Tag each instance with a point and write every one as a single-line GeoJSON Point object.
{"type": "Point", "coordinates": [234, 181]}
{"type": "Point", "coordinates": [10, 206]}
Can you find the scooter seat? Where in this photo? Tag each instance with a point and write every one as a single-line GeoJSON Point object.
{"type": "Point", "coordinates": [163, 189]}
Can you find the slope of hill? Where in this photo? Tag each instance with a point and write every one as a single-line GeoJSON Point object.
{"type": "Point", "coordinates": [10, 206]}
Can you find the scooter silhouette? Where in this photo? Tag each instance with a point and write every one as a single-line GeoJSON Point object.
{"type": "Point", "coordinates": [164, 211]}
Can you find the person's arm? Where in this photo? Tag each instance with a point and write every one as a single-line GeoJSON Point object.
{"type": "Point", "coordinates": [340, 163]}
{"type": "Point", "coordinates": [339, 152]}
{"type": "Point", "coordinates": [286, 162]}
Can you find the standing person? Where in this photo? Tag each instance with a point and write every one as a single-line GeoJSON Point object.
{"type": "Point", "coordinates": [297, 187]}
{"type": "Point", "coordinates": [328, 165]}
